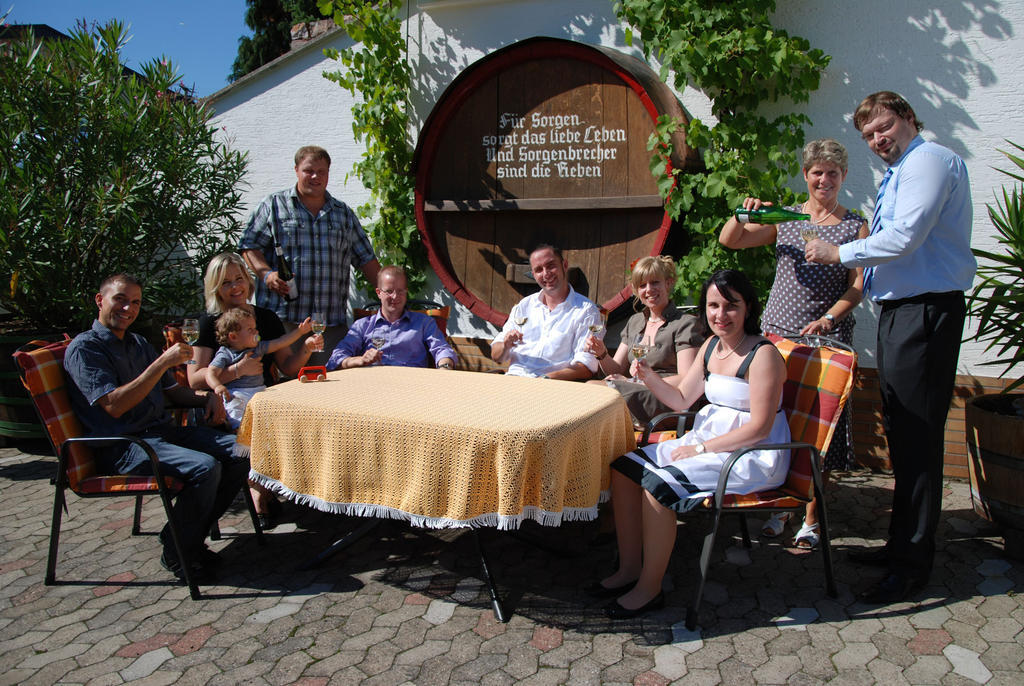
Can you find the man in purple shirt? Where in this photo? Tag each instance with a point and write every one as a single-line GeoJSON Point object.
{"type": "Point", "coordinates": [403, 338]}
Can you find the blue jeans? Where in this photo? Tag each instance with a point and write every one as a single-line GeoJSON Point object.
{"type": "Point", "coordinates": [201, 457]}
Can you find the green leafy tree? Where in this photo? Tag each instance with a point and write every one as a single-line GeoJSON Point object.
{"type": "Point", "coordinates": [271, 22]}
{"type": "Point", "coordinates": [731, 52]}
{"type": "Point", "coordinates": [378, 70]}
{"type": "Point", "coordinates": [105, 171]}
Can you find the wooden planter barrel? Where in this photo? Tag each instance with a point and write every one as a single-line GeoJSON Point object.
{"type": "Point", "coordinates": [544, 141]}
{"type": "Point", "coordinates": [995, 442]}
{"type": "Point", "coordinates": [18, 417]}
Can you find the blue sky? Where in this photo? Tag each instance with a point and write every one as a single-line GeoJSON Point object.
{"type": "Point", "coordinates": [199, 37]}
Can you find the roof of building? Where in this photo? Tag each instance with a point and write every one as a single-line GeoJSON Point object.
{"type": "Point", "coordinates": [316, 43]}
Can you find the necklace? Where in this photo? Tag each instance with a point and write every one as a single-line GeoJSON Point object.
{"type": "Point", "coordinates": [826, 215]}
{"type": "Point", "coordinates": [721, 346]}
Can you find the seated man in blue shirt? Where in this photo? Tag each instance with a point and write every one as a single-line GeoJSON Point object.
{"type": "Point", "coordinates": [117, 386]}
{"type": "Point", "coordinates": [394, 336]}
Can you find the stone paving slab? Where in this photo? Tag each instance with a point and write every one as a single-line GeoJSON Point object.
{"type": "Point", "coordinates": [407, 606]}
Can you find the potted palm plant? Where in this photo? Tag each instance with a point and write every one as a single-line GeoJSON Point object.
{"type": "Point", "coordinates": [995, 422]}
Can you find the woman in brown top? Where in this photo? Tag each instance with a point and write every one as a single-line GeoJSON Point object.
{"type": "Point", "coordinates": [674, 335]}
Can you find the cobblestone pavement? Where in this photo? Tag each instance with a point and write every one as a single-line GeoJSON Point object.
{"type": "Point", "coordinates": [406, 606]}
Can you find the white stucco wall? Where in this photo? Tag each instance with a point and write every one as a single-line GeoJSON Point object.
{"type": "Point", "coordinates": [957, 63]}
{"type": "Point", "coordinates": [286, 105]}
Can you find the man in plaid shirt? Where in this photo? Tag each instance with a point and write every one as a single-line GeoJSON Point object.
{"type": "Point", "coordinates": [320, 237]}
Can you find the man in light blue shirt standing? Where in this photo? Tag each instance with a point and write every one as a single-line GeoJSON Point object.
{"type": "Point", "coordinates": [918, 263]}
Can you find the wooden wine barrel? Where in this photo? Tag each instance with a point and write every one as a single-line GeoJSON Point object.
{"type": "Point", "coordinates": [544, 141]}
{"type": "Point", "coordinates": [995, 442]}
{"type": "Point", "coordinates": [18, 418]}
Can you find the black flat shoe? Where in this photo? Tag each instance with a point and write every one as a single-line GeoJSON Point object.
{"type": "Point", "coordinates": [598, 590]}
{"type": "Point", "coordinates": [871, 557]}
{"type": "Point", "coordinates": [616, 611]}
{"type": "Point", "coordinates": [894, 588]}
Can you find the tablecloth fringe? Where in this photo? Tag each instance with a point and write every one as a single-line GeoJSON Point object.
{"type": "Point", "coordinates": [240, 450]}
{"type": "Point", "coordinates": [491, 519]}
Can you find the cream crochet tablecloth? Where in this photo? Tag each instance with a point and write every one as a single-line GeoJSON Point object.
{"type": "Point", "coordinates": [437, 448]}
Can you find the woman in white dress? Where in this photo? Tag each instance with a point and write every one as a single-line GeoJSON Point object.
{"type": "Point", "coordinates": [742, 375]}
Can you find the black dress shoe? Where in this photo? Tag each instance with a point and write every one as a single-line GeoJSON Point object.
{"type": "Point", "coordinates": [871, 557]}
{"type": "Point", "coordinates": [200, 573]}
{"type": "Point", "coordinates": [616, 611]}
{"type": "Point", "coordinates": [895, 587]}
{"type": "Point", "coordinates": [598, 590]}
{"type": "Point", "coordinates": [209, 558]}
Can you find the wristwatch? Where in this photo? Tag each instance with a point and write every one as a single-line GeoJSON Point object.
{"type": "Point", "coordinates": [831, 320]}
{"type": "Point", "coordinates": [700, 448]}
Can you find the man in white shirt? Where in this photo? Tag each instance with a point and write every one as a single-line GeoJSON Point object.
{"type": "Point", "coordinates": [546, 332]}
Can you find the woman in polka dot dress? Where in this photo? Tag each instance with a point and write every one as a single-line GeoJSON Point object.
{"type": "Point", "coordinates": [810, 298]}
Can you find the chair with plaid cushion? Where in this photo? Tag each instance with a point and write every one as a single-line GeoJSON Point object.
{"type": "Point", "coordinates": [819, 382]}
{"type": "Point", "coordinates": [42, 365]}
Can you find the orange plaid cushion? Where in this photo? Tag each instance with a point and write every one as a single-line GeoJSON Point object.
{"type": "Point", "coordinates": [774, 498]}
{"type": "Point", "coordinates": [98, 485]}
{"type": "Point", "coordinates": [657, 436]}
{"type": "Point", "coordinates": [818, 384]}
{"type": "Point", "coordinates": [43, 376]}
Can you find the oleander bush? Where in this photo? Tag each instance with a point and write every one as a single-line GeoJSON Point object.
{"type": "Point", "coordinates": [106, 170]}
{"type": "Point", "coordinates": [997, 301]}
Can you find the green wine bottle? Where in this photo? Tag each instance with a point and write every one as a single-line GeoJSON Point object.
{"type": "Point", "coordinates": [769, 215]}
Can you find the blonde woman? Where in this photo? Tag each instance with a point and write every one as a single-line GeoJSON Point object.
{"type": "Point", "coordinates": [229, 284]}
{"type": "Point", "coordinates": [675, 337]}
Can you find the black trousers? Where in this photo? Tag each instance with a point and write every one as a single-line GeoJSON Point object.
{"type": "Point", "coordinates": [918, 346]}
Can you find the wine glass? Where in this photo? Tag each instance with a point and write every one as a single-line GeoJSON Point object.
{"type": "Point", "coordinates": [190, 332]}
{"type": "Point", "coordinates": [638, 351]}
{"type": "Point", "coordinates": [808, 234]}
{"type": "Point", "coordinates": [319, 326]}
{"type": "Point", "coordinates": [519, 318]}
{"type": "Point", "coordinates": [378, 343]}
